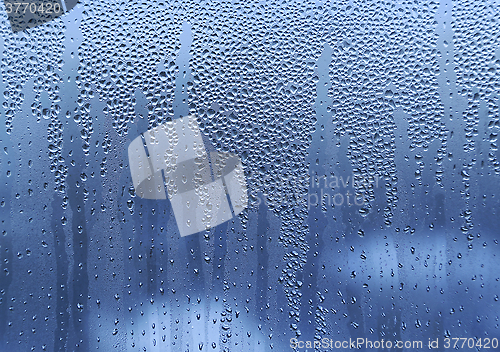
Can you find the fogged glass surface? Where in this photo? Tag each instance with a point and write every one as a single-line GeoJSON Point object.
{"type": "Point", "coordinates": [366, 206]}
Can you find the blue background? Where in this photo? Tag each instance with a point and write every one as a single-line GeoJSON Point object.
{"type": "Point", "coordinates": [402, 92]}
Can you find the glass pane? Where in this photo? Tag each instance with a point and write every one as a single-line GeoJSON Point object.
{"type": "Point", "coordinates": [249, 176]}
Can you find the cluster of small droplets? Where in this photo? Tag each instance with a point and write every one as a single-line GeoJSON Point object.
{"type": "Point", "coordinates": [372, 75]}
{"type": "Point", "coordinates": [33, 59]}
{"type": "Point", "coordinates": [477, 63]}
{"type": "Point", "coordinates": [253, 83]}
{"type": "Point", "coordinates": [236, 68]}
{"type": "Point", "coordinates": [144, 60]}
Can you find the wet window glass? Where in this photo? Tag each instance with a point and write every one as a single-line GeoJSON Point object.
{"type": "Point", "coordinates": [249, 176]}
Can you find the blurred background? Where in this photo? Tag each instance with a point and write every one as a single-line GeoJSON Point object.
{"type": "Point", "coordinates": [395, 104]}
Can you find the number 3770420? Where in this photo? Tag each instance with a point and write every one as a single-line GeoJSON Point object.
{"type": "Point", "coordinates": [26, 7]}
{"type": "Point", "coordinates": [463, 342]}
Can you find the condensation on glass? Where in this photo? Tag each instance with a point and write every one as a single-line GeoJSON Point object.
{"type": "Point", "coordinates": [365, 135]}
